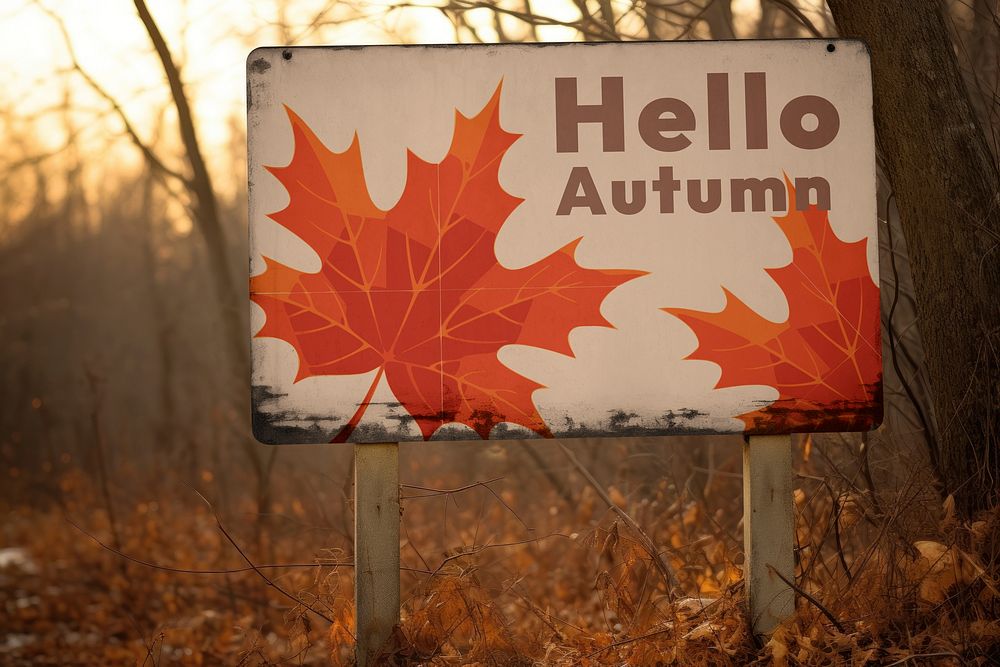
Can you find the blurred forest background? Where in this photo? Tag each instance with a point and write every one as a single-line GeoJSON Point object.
{"type": "Point", "coordinates": [143, 525]}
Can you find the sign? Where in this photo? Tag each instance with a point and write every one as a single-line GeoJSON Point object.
{"type": "Point", "coordinates": [471, 242]}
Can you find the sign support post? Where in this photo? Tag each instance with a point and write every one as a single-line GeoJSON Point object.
{"type": "Point", "coordinates": [768, 530]}
{"type": "Point", "coordinates": [501, 149]}
{"type": "Point", "coordinates": [376, 547]}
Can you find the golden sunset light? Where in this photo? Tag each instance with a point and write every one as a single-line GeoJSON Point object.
{"type": "Point", "coordinates": [499, 332]}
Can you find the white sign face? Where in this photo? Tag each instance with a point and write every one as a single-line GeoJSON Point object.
{"type": "Point", "coordinates": [472, 242]}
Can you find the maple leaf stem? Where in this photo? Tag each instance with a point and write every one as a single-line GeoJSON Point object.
{"type": "Point", "coordinates": [348, 429]}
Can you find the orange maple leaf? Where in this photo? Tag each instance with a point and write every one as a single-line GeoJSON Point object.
{"type": "Point", "coordinates": [825, 359]}
{"type": "Point", "coordinates": [416, 291]}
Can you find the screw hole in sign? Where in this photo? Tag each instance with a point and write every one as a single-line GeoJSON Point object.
{"type": "Point", "coordinates": [831, 48]}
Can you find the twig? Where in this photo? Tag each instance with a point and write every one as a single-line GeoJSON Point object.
{"type": "Point", "coordinates": [546, 470]}
{"type": "Point", "coordinates": [267, 580]}
{"type": "Point", "coordinates": [669, 578]}
{"type": "Point", "coordinates": [816, 603]}
{"type": "Point", "coordinates": [409, 543]}
{"type": "Point", "coordinates": [915, 656]}
{"type": "Point", "coordinates": [432, 491]}
{"type": "Point", "coordinates": [630, 640]}
{"type": "Point", "coordinates": [102, 470]}
{"type": "Point", "coordinates": [837, 509]}
{"type": "Point", "coordinates": [448, 492]}
{"type": "Point", "coordinates": [796, 13]}
{"type": "Point", "coordinates": [533, 19]}
{"type": "Point", "coordinates": [866, 468]}
{"type": "Point", "coordinates": [133, 135]}
{"type": "Point", "coordinates": [235, 570]}
{"type": "Point", "coordinates": [476, 550]}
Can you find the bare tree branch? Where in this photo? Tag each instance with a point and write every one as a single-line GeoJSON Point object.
{"type": "Point", "coordinates": [206, 211]}
{"type": "Point", "coordinates": [816, 603]}
{"type": "Point", "coordinates": [147, 152]}
{"type": "Point", "coordinates": [583, 26]}
{"type": "Point", "coordinates": [669, 578]}
{"type": "Point", "coordinates": [789, 8]}
{"type": "Point", "coordinates": [255, 568]}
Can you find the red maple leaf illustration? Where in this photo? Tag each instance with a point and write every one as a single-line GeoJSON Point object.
{"type": "Point", "coordinates": [416, 291]}
{"type": "Point", "coordinates": [825, 359]}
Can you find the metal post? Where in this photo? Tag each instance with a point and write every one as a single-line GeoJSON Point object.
{"type": "Point", "coordinates": [376, 547]}
{"type": "Point", "coordinates": [768, 538]}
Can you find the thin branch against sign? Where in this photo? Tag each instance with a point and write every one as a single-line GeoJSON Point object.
{"type": "Point", "coordinates": [669, 578]}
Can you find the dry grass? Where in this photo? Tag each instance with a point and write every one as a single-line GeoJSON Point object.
{"type": "Point", "coordinates": [527, 569]}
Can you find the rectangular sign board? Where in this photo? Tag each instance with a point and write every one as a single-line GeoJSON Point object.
{"type": "Point", "coordinates": [464, 242]}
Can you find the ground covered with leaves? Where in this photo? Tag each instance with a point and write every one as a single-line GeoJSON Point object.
{"type": "Point", "coordinates": [510, 556]}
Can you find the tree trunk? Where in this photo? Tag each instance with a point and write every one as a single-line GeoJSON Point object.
{"type": "Point", "coordinates": [206, 209]}
{"type": "Point", "coordinates": [209, 223]}
{"type": "Point", "coordinates": [983, 59]}
{"type": "Point", "coordinates": [719, 17]}
{"type": "Point", "coordinates": [945, 181]}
